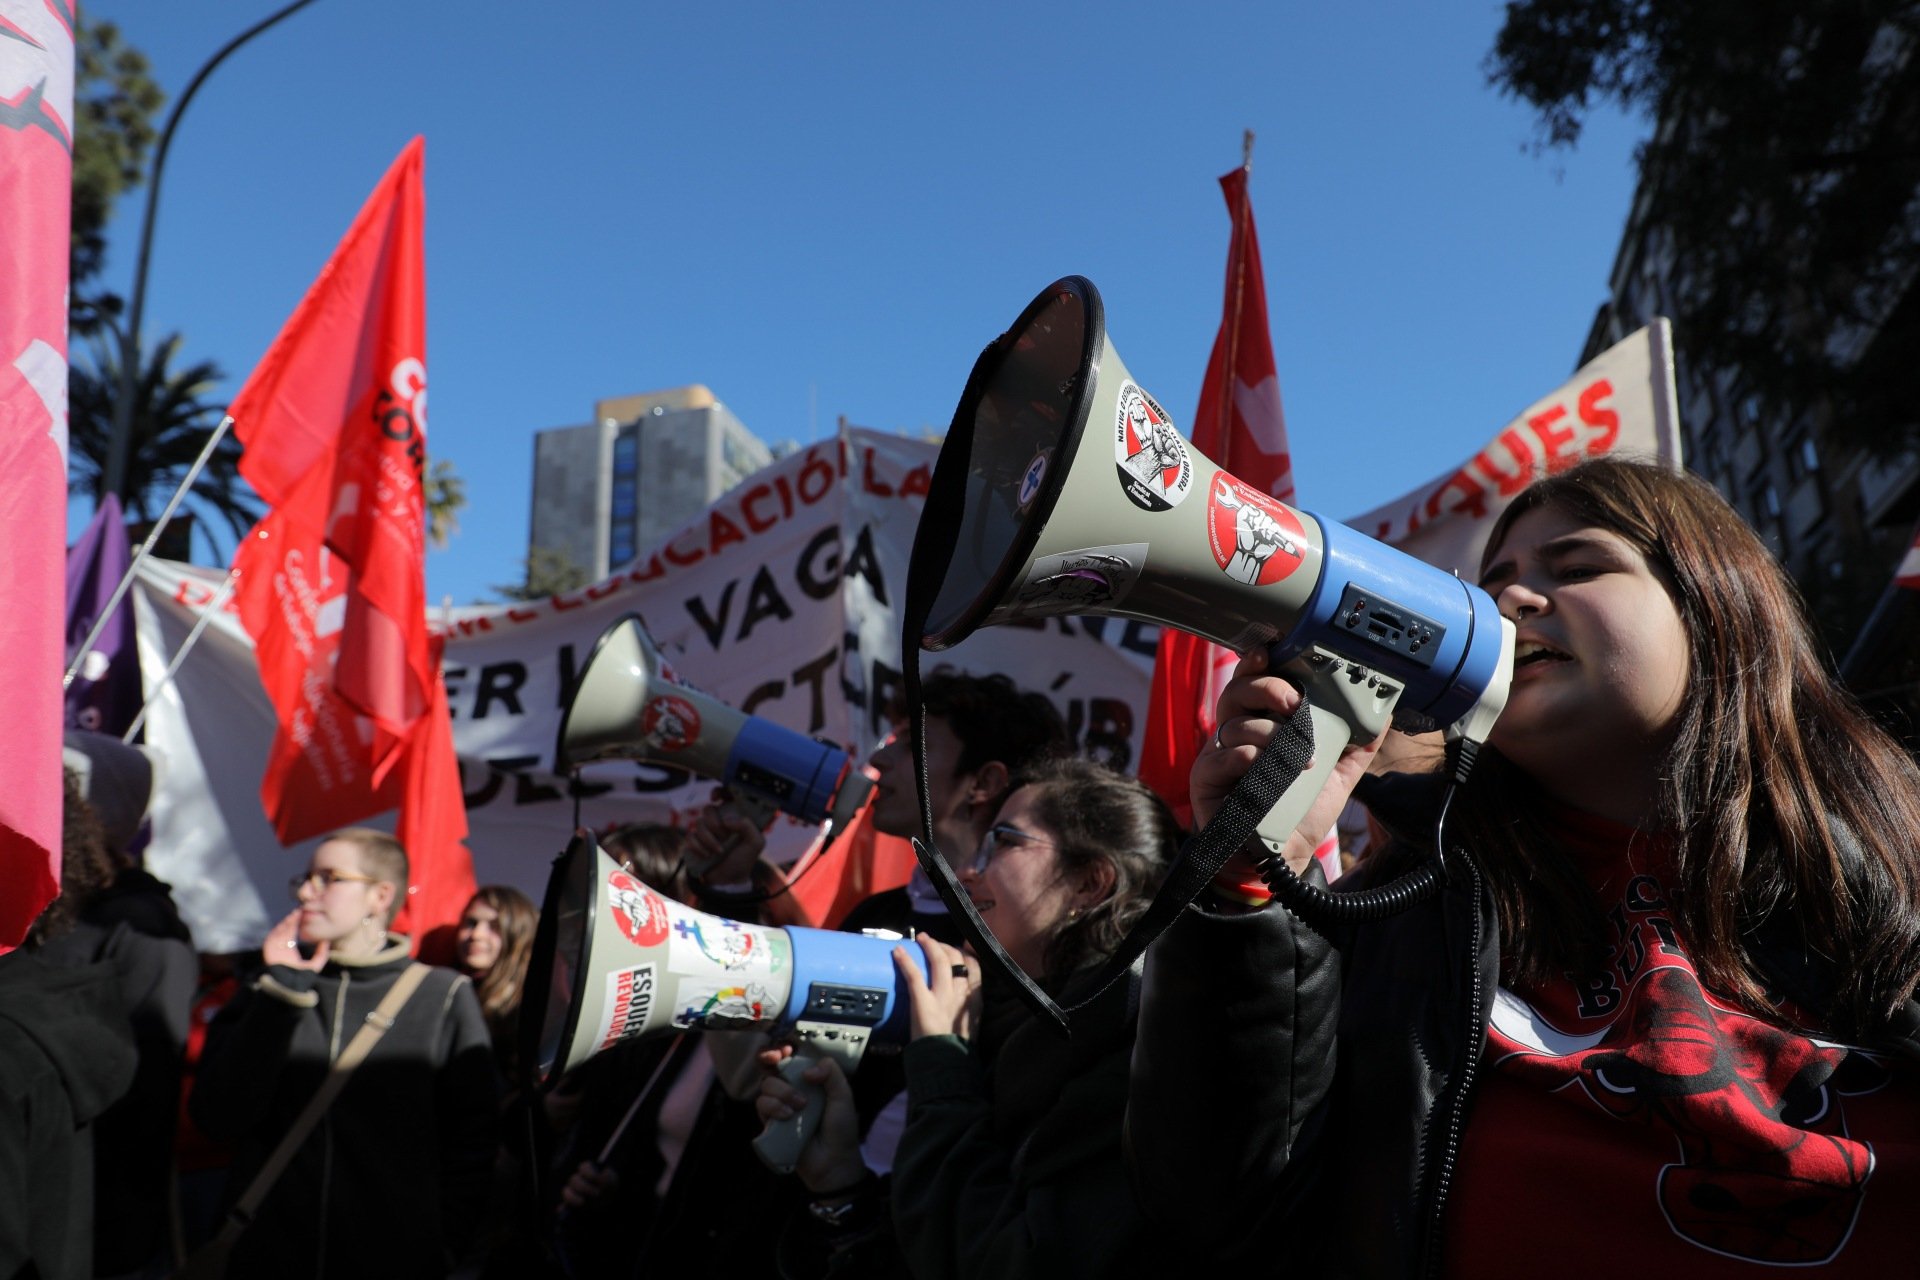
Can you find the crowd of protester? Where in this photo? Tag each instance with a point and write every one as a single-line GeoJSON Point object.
{"type": "Point", "coordinates": [1660, 1011]}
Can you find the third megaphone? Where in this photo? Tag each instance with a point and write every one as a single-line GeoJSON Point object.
{"type": "Point", "coordinates": [626, 706]}
{"type": "Point", "coordinates": [614, 959]}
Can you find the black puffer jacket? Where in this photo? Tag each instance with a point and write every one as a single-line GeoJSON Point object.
{"type": "Point", "coordinates": [1299, 1097]}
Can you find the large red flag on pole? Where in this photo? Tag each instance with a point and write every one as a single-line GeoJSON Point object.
{"type": "Point", "coordinates": [332, 580]}
{"type": "Point", "coordinates": [1239, 425]}
{"type": "Point", "coordinates": [36, 185]}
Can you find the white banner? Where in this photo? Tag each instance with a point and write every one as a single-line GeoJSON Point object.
{"type": "Point", "coordinates": [782, 599]}
{"type": "Point", "coordinates": [1621, 401]}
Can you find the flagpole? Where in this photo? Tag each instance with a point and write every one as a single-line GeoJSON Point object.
{"type": "Point", "coordinates": [180, 654]}
{"type": "Point", "coordinates": [126, 580]}
{"type": "Point", "coordinates": [1239, 251]}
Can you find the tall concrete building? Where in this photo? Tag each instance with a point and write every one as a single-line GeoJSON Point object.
{"type": "Point", "coordinates": [610, 491]}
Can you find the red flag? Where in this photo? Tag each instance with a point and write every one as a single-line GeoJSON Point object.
{"type": "Point", "coordinates": [331, 581]}
{"type": "Point", "coordinates": [1239, 425]}
{"type": "Point", "coordinates": [36, 172]}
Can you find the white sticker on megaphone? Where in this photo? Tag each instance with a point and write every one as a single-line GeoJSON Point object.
{"type": "Point", "coordinates": [1078, 581]}
{"type": "Point", "coordinates": [1155, 469]}
{"type": "Point", "coordinates": [723, 1005]}
{"type": "Point", "coordinates": [628, 1006]}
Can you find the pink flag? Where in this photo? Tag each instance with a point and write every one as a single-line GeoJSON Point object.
{"type": "Point", "coordinates": [36, 184]}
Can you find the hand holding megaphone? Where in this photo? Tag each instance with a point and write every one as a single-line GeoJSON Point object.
{"type": "Point", "coordinates": [1253, 703]}
{"type": "Point", "coordinates": [728, 837]}
{"type": "Point", "coordinates": [810, 1126]}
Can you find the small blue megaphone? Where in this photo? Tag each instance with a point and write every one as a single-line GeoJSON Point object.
{"type": "Point", "coordinates": [626, 706]}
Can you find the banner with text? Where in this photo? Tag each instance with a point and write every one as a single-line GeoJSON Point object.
{"type": "Point", "coordinates": [1622, 401]}
{"type": "Point", "coordinates": [782, 599]}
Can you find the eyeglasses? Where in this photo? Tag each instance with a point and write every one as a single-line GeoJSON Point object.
{"type": "Point", "coordinates": [1001, 838]}
{"type": "Point", "coordinates": [325, 880]}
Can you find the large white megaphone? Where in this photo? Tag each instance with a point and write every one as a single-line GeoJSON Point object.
{"type": "Point", "coordinates": [1064, 488]}
{"type": "Point", "coordinates": [614, 959]}
{"type": "Point", "coordinates": [625, 706]}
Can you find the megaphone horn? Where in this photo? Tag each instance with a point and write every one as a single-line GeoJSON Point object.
{"type": "Point", "coordinates": [625, 707]}
{"type": "Point", "coordinates": [1076, 494]}
{"type": "Point", "coordinates": [614, 959]}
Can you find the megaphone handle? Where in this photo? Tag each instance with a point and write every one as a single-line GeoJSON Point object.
{"type": "Point", "coordinates": [740, 803]}
{"type": "Point", "coordinates": [781, 1141]}
{"type": "Point", "coordinates": [1342, 710]}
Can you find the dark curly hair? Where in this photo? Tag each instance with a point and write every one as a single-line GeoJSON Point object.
{"type": "Point", "coordinates": [86, 866]}
{"type": "Point", "coordinates": [993, 720]}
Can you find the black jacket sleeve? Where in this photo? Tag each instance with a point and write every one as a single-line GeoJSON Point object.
{"type": "Point", "coordinates": [1235, 1055]}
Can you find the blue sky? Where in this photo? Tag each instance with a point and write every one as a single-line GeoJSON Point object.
{"type": "Point", "coordinates": [827, 209]}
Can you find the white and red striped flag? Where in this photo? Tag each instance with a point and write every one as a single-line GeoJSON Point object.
{"type": "Point", "coordinates": [332, 580]}
{"type": "Point", "coordinates": [1239, 424]}
{"type": "Point", "coordinates": [36, 186]}
{"type": "Point", "coordinates": [1908, 574]}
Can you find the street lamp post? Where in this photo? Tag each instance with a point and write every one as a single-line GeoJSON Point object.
{"type": "Point", "coordinates": [121, 438]}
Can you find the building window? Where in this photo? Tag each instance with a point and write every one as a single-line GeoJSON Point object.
{"type": "Point", "coordinates": [626, 453]}
{"type": "Point", "coordinates": [625, 502]}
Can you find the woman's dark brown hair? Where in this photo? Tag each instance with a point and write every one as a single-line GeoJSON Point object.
{"type": "Point", "coordinates": [1796, 817]}
{"type": "Point", "coordinates": [1097, 815]}
{"type": "Point", "coordinates": [502, 985]}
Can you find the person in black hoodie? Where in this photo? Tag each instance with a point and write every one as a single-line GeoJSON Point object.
{"type": "Point", "coordinates": [130, 922]}
{"type": "Point", "coordinates": [394, 1179]}
{"type": "Point", "coordinates": [66, 1054]}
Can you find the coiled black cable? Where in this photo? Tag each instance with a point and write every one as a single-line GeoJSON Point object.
{"type": "Point", "coordinates": [1319, 907]}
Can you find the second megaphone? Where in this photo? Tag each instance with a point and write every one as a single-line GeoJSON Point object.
{"type": "Point", "coordinates": [625, 706]}
{"type": "Point", "coordinates": [614, 960]}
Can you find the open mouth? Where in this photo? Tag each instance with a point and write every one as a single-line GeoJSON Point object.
{"type": "Point", "coordinates": [1531, 653]}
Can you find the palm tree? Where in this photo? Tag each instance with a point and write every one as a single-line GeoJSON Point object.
{"type": "Point", "coordinates": [446, 497]}
{"type": "Point", "coordinates": [172, 418]}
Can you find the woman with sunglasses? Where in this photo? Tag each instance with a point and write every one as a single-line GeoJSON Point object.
{"type": "Point", "coordinates": [394, 1178]}
{"type": "Point", "coordinates": [1010, 1160]}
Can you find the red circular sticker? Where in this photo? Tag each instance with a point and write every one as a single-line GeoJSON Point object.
{"type": "Point", "coordinates": [1255, 539]}
{"type": "Point", "coordinates": [670, 723]}
{"type": "Point", "coordinates": [639, 911]}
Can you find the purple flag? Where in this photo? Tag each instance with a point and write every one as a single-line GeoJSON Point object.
{"type": "Point", "coordinates": [105, 693]}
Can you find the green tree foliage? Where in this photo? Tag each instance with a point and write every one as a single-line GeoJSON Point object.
{"type": "Point", "coordinates": [549, 572]}
{"type": "Point", "coordinates": [114, 101]}
{"type": "Point", "coordinates": [446, 497]}
{"type": "Point", "coordinates": [1784, 160]}
{"type": "Point", "coordinates": [172, 417]}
